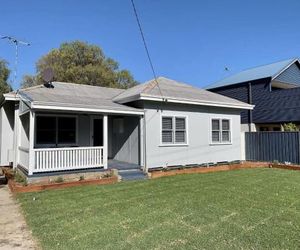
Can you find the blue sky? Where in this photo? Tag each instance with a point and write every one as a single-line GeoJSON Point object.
{"type": "Point", "coordinates": [190, 41]}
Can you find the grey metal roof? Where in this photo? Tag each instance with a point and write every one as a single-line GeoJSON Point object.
{"type": "Point", "coordinates": [75, 95]}
{"type": "Point", "coordinates": [170, 89]}
{"type": "Point", "coordinates": [265, 71]}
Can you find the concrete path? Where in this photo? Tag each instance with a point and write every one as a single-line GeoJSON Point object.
{"type": "Point", "coordinates": [14, 233]}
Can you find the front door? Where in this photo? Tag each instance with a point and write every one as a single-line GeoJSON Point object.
{"type": "Point", "coordinates": [97, 132]}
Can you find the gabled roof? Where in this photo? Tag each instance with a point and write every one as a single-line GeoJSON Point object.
{"type": "Point", "coordinates": [177, 92]}
{"type": "Point", "coordinates": [71, 96]}
{"type": "Point", "coordinates": [265, 71]}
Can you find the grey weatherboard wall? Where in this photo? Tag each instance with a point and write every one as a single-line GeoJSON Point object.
{"type": "Point", "coordinates": [199, 148]}
{"type": "Point", "coordinates": [277, 106]}
{"type": "Point", "coordinates": [273, 146]}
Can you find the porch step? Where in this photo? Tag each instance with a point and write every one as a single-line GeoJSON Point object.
{"type": "Point", "coordinates": [132, 174]}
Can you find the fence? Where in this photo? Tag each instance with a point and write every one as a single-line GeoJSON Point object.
{"type": "Point", "coordinates": [273, 146]}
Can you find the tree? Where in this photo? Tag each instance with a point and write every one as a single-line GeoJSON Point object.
{"type": "Point", "coordinates": [81, 63]}
{"type": "Point", "coordinates": [4, 74]}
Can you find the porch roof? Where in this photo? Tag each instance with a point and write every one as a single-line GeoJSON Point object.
{"type": "Point", "coordinates": [75, 97]}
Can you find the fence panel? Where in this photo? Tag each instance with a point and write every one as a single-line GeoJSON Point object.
{"type": "Point", "coordinates": [273, 146]}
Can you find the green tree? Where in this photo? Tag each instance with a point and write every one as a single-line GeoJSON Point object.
{"type": "Point", "coordinates": [81, 63]}
{"type": "Point", "coordinates": [4, 74]}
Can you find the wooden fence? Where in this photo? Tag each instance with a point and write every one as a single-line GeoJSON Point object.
{"type": "Point", "coordinates": [273, 146]}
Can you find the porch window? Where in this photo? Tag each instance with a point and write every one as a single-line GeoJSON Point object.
{"type": "Point", "coordinates": [52, 130]}
{"type": "Point", "coordinates": [220, 131]}
{"type": "Point", "coordinates": [173, 130]}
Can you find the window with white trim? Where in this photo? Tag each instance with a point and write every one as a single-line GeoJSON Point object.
{"type": "Point", "coordinates": [220, 131]}
{"type": "Point", "coordinates": [173, 130]}
{"type": "Point", "coordinates": [55, 130]}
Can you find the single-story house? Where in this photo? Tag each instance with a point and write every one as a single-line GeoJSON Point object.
{"type": "Point", "coordinates": [273, 88]}
{"type": "Point", "coordinates": [66, 126]}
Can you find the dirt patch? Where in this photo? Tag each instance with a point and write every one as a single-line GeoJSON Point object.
{"type": "Point", "coordinates": [15, 234]}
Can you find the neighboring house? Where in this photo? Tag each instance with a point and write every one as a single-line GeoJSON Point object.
{"type": "Point", "coordinates": [66, 126]}
{"type": "Point", "coordinates": [273, 89]}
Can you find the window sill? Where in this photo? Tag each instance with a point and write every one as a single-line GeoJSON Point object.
{"type": "Point", "coordinates": [220, 143]}
{"type": "Point", "coordinates": [174, 145]}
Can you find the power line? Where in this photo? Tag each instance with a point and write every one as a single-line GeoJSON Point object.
{"type": "Point", "coordinates": [145, 46]}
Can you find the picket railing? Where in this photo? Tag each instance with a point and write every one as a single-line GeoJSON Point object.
{"type": "Point", "coordinates": [59, 159]}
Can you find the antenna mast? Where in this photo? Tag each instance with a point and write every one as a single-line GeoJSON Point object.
{"type": "Point", "coordinates": [16, 42]}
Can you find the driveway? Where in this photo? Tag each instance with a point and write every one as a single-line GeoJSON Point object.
{"type": "Point", "coordinates": [14, 233]}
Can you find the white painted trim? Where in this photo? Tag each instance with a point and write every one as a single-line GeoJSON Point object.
{"type": "Point", "coordinates": [220, 118]}
{"type": "Point", "coordinates": [173, 116]}
{"type": "Point", "coordinates": [202, 103]}
{"type": "Point", "coordinates": [105, 141]}
{"type": "Point", "coordinates": [31, 142]}
{"type": "Point", "coordinates": [41, 106]}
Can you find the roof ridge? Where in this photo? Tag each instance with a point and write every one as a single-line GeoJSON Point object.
{"type": "Point", "coordinates": [87, 85]}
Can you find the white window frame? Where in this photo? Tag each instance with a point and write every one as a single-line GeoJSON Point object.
{"type": "Point", "coordinates": [220, 142]}
{"type": "Point", "coordinates": [174, 144]}
{"type": "Point", "coordinates": [51, 145]}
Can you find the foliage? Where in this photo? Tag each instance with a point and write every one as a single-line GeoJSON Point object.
{"type": "Point", "coordinates": [20, 178]}
{"type": "Point", "coordinates": [290, 127]}
{"type": "Point", "coordinates": [81, 177]}
{"type": "Point", "coordinates": [81, 63]}
{"type": "Point", "coordinates": [4, 74]}
{"type": "Point", "coordinates": [59, 179]}
{"type": "Point", "coordinates": [239, 209]}
{"type": "Point", "coordinates": [107, 174]}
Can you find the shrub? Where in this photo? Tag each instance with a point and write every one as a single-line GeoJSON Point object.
{"type": "Point", "coordinates": [20, 178]}
{"type": "Point", "coordinates": [107, 175]}
{"type": "Point", "coordinates": [290, 127]}
{"type": "Point", "coordinates": [59, 179]}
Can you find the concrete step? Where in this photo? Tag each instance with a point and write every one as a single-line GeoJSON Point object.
{"type": "Point", "coordinates": [132, 174]}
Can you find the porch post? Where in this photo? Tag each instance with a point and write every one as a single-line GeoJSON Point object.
{"type": "Point", "coordinates": [31, 142]}
{"type": "Point", "coordinates": [105, 141]}
{"type": "Point", "coordinates": [17, 135]}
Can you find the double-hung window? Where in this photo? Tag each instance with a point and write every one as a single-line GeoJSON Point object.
{"type": "Point", "coordinates": [56, 130]}
{"type": "Point", "coordinates": [220, 131]}
{"type": "Point", "coordinates": [173, 130]}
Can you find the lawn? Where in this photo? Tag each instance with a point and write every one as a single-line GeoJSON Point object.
{"type": "Point", "coordinates": [251, 208]}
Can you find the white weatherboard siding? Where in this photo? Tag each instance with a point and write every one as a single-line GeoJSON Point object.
{"type": "Point", "coordinates": [199, 148]}
{"type": "Point", "coordinates": [7, 133]}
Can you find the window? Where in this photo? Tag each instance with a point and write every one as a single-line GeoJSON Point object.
{"type": "Point", "coordinates": [173, 130]}
{"type": "Point", "coordinates": [220, 131]}
{"type": "Point", "coordinates": [55, 130]}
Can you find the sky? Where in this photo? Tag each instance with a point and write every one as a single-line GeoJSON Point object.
{"type": "Point", "coordinates": [189, 40]}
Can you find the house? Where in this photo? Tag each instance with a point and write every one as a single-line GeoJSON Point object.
{"type": "Point", "coordinates": [273, 89]}
{"type": "Point", "coordinates": [66, 126]}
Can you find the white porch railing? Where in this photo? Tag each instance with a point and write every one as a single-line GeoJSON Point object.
{"type": "Point", "coordinates": [58, 159]}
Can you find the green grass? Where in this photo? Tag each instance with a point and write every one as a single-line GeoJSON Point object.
{"type": "Point", "coordinates": [255, 208]}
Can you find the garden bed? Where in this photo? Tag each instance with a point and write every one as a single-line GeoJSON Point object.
{"type": "Point", "coordinates": [16, 187]}
{"type": "Point", "coordinates": [206, 168]}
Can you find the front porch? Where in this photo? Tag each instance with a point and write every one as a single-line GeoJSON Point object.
{"type": "Point", "coordinates": [59, 142]}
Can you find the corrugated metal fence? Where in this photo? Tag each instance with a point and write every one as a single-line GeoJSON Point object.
{"type": "Point", "coordinates": [273, 146]}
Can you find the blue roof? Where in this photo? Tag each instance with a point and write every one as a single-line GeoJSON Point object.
{"type": "Point", "coordinates": [265, 71]}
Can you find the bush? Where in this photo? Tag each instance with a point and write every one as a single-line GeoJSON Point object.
{"type": "Point", "coordinates": [20, 178]}
{"type": "Point", "coordinates": [107, 175]}
{"type": "Point", "coordinates": [290, 127]}
{"type": "Point", "coordinates": [59, 179]}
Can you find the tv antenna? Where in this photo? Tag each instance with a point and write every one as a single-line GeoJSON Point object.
{"type": "Point", "coordinates": [16, 42]}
